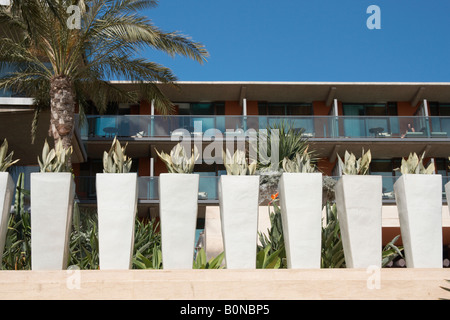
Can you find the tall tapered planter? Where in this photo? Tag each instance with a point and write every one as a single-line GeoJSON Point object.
{"type": "Point", "coordinates": [117, 195]}
{"type": "Point", "coordinates": [419, 203]}
{"type": "Point", "coordinates": [447, 192]}
{"type": "Point", "coordinates": [6, 195]}
{"type": "Point", "coordinates": [359, 205]}
{"type": "Point", "coordinates": [239, 203]}
{"type": "Point", "coordinates": [301, 214]}
{"type": "Point", "coordinates": [52, 196]}
{"type": "Point", "coordinates": [178, 200]}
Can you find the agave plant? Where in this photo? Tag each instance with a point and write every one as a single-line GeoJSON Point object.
{"type": "Point", "coordinates": [271, 253]}
{"type": "Point", "coordinates": [56, 159]}
{"type": "Point", "coordinates": [238, 164]}
{"type": "Point", "coordinates": [351, 165]}
{"type": "Point", "coordinates": [115, 160]}
{"type": "Point", "coordinates": [302, 163]}
{"type": "Point", "coordinates": [178, 161]}
{"type": "Point", "coordinates": [286, 141]}
{"type": "Point", "coordinates": [6, 161]}
{"type": "Point", "coordinates": [414, 165]}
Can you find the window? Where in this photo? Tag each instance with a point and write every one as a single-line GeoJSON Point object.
{"type": "Point", "coordinates": [370, 119]}
{"type": "Point", "coordinates": [440, 118]}
{"type": "Point", "coordinates": [385, 168]}
{"type": "Point", "coordinates": [301, 115]}
{"type": "Point", "coordinates": [285, 109]}
{"type": "Point", "coordinates": [208, 179]}
{"type": "Point", "coordinates": [203, 112]}
{"type": "Point", "coordinates": [201, 108]}
{"type": "Point", "coordinates": [442, 166]}
{"type": "Point", "coordinates": [370, 109]}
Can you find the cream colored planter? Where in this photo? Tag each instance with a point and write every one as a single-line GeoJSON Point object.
{"type": "Point", "coordinates": [301, 213]}
{"type": "Point", "coordinates": [419, 204]}
{"type": "Point", "coordinates": [52, 196]}
{"type": "Point", "coordinates": [6, 196]}
{"type": "Point", "coordinates": [447, 192]}
{"type": "Point", "coordinates": [178, 201]}
{"type": "Point", "coordinates": [359, 205]}
{"type": "Point", "coordinates": [116, 205]}
{"type": "Point", "coordinates": [239, 205]}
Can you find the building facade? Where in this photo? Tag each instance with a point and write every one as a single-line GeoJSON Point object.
{"type": "Point", "coordinates": [390, 119]}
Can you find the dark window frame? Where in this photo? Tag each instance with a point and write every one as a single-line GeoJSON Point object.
{"type": "Point", "coordinates": [264, 107]}
{"type": "Point", "coordinates": [390, 107]}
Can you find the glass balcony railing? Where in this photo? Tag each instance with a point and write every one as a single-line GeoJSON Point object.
{"type": "Point", "coordinates": [141, 126]}
{"type": "Point", "coordinates": [148, 188]}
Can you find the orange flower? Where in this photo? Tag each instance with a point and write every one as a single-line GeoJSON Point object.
{"type": "Point", "coordinates": [274, 196]}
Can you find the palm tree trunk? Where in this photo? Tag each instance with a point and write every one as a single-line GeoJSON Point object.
{"type": "Point", "coordinates": [62, 109]}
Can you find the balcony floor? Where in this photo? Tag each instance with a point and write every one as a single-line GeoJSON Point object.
{"type": "Point", "coordinates": [323, 147]}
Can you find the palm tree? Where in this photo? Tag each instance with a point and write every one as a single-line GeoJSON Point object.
{"type": "Point", "coordinates": [64, 55]}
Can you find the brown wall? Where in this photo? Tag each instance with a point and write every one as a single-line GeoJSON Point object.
{"type": "Point", "coordinates": [232, 108]}
{"type": "Point", "coordinates": [325, 166]}
{"type": "Point", "coordinates": [144, 167]}
{"type": "Point", "coordinates": [405, 108]}
{"type": "Point", "coordinates": [320, 108]}
{"type": "Point", "coordinates": [159, 166]}
{"type": "Point", "coordinates": [76, 169]}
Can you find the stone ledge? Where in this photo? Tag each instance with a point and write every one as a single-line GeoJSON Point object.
{"type": "Point", "coordinates": [325, 284]}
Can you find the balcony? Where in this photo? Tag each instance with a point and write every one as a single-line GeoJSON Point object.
{"type": "Point", "coordinates": [314, 127]}
{"type": "Point", "coordinates": [207, 193]}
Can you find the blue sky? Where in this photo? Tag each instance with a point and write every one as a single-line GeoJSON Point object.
{"type": "Point", "coordinates": [320, 40]}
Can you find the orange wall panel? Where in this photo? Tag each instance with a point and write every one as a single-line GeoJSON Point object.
{"type": "Point", "coordinates": [76, 169]}
{"type": "Point", "coordinates": [320, 108]}
{"type": "Point", "coordinates": [145, 107]}
{"type": "Point", "coordinates": [252, 108]}
{"type": "Point", "coordinates": [325, 166]}
{"type": "Point", "coordinates": [232, 108]}
{"type": "Point", "coordinates": [144, 167]}
{"type": "Point", "coordinates": [159, 167]}
{"type": "Point", "coordinates": [405, 108]}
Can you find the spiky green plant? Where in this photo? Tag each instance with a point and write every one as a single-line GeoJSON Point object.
{"type": "Point", "coordinates": [6, 161]}
{"type": "Point", "coordinates": [271, 253]}
{"type": "Point", "coordinates": [83, 243]}
{"type": "Point", "coordinates": [115, 160]}
{"type": "Point", "coordinates": [285, 138]}
{"type": "Point", "coordinates": [237, 164]}
{"type": "Point", "coordinates": [352, 166]}
{"type": "Point", "coordinates": [178, 161]}
{"type": "Point", "coordinates": [201, 262]}
{"type": "Point", "coordinates": [332, 255]}
{"type": "Point", "coordinates": [17, 252]}
{"type": "Point", "coordinates": [391, 251]}
{"type": "Point", "coordinates": [414, 165]}
{"type": "Point", "coordinates": [147, 245]}
{"type": "Point", "coordinates": [55, 159]}
{"type": "Point", "coordinates": [302, 163]}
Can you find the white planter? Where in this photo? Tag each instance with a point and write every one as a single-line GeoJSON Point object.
{"type": "Point", "coordinates": [301, 213]}
{"type": "Point", "coordinates": [447, 192]}
{"type": "Point", "coordinates": [52, 196]}
{"type": "Point", "coordinates": [116, 206]}
{"type": "Point", "coordinates": [6, 196]}
{"type": "Point", "coordinates": [178, 201]}
{"type": "Point", "coordinates": [359, 205]}
{"type": "Point", "coordinates": [419, 204]}
{"type": "Point", "coordinates": [239, 208]}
